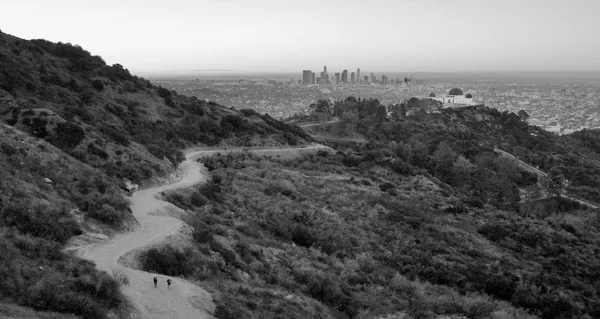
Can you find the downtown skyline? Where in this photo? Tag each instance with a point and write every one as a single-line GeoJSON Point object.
{"type": "Point", "coordinates": [284, 36]}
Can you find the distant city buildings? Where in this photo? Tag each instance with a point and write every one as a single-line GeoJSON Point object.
{"type": "Point", "coordinates": [308, 77]}
{"type": "Point", "coordinates": [343, 78]}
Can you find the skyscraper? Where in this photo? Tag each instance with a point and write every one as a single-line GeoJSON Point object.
{"type": "Point", "coordinates": [358, 75]}
{"type": "Point", "coordinates": [306, 76]}
{"type": "Point", "coordinates": [337, 79]}
{"type": "Point", "coordinates": [345, 76]}
{"type": "Point", "coordinates": [373, 78]}
{"type": "Point", "coordinates": [352, 77]}
{"type": "Point", "coordinates": [324, 76]}
{"type": "Point", "coordinates": [313, 78]}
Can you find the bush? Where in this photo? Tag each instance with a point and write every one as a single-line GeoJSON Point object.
{"type": "Point", "coordinates": [202, 233]}
{"type": "Point", "coordinates": [8, 149]}
{"type": "Point", "coordinates": [386, 186]}
{"type": "Point", "coordinates": [67, 136]}
{"type": "Point", "coordinates": [98, 85]}
{"type": "Point", "coordinates": [42, 221]}
{"type": "Point", "coordinates": [229, 309]}
{"type": "Point", "coordinates": [211, 191]}
{"type": "Point", "coordinates": [494, 232]}
{"type": "Point", "coordinates": [322, 153]}
{"type": "Point", "coordinates": [249, 112]}
{"type": "Point", "coordinates": [198, 200]}
{"type": "Point", "coordinates": [115, 135]}
{"type": "Point", "coordinates": [167, 260]}
{"type": "Point", "coordinates": [36, 273]}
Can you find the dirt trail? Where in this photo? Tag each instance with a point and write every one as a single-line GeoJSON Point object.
{"type": "Point", "coordinates": [184, 299]}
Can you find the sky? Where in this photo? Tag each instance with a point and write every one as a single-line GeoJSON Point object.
{"type": "Point", "coordinates": [148, 36]}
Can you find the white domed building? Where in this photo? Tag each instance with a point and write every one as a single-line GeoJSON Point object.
{"type": "Point", "coordinates": [455, 97]}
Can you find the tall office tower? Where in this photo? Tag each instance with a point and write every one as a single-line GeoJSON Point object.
{"type": "Point", "coordinates": [306, 76]}
{"type": "Point", "coordinates": [373, 80]}
{"type": "Point", "coordinates": [324, 76]}
{"type": "Point", "coordinates": [345, 76]}
{"type": "Point", "coordinates": [384, 80]}
{"type": "Point", "coordinates": [358, 75]}
{"type": "Point", "coordinates": [366, 79]}
{"type": "Point", "coordinates": [337, 79]}
{"type": "Point", "coordinates": [352, 77]}
{"type": "Point", "coordinates": [313, 78]}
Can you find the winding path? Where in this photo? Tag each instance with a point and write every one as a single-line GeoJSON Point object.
{"type": "Point", "coordinates": [184, 299]}
{"type": "Point", "coordinates": [335, 120]}
{"type": "Point", "coordinates": [542, 174]}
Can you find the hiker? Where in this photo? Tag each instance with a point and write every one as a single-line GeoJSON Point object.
{"type": "Point", "coordinates": [155, 281]}
{"type": "Point", "coordinates": [169, 283]}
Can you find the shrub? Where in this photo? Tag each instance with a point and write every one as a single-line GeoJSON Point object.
{"type": "Point", "coordinates": [98, 85]}
{"type": "Point", "coordinates": [229, 309]}
{"type": "Point", "coordinates": [67, 136]}
{"type": "Point", "coordinates": [322, 153]}
{"type": "Point", "coordinates": [8, 149]}
{"type": "Point", "coordinates": [42, 221]}
{"type": "Point", "coordinates": [494, 232]}
{"type": "Point", "coordinates": [202, 233]}
{"type": "Point", "coordinates": [386, 186]}
{"type": "Point", "coordinates": [115, 135]}
{"type": "Point", "coordinates": [198, 200]}
{"type": "Point", "coordinates": [248, 112]}
{"type": "Point", "coordinates": [167, 260]}
{"type": "Point", "coordinates": [211, 190]}
{"type": "Point", "coordinates": [302, 236]}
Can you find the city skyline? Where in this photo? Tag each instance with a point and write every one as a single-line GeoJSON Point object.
{"type": "Point", "coordinates": [283, 36]}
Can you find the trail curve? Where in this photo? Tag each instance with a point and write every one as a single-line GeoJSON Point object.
{"type": "Point", "coordinates": [184, 299]}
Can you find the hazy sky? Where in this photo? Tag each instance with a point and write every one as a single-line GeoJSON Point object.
{"type": "Point", "coordinates": [284, 35]}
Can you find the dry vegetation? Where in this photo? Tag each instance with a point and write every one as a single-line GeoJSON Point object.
{"type": "Point", "coordinates": [313, 238]}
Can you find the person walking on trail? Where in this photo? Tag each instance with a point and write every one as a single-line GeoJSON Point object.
{"type": "Point", "coordinates": [155, 281]}
{"type": "Point", "coordinates": [169, 283]}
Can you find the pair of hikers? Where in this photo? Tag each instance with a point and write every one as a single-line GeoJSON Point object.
{"type": "Point", "coordinates": [155, 279]}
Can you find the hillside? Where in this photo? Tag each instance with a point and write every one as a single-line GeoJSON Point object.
{"type": "Point", "coordinates": [416, 214]}
{"type": "Point", "coordinates": [425, 220]}
{"type": "Point", "coordinates": [72, 129]}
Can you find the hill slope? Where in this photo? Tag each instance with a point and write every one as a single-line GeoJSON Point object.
{"type": "Point", "coordinates": [72, 129]}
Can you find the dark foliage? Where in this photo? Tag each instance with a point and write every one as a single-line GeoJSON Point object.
{"type": "Point", "coordinates": [67, 136]}
{"type": "Point", "coordinates": [167, 260]}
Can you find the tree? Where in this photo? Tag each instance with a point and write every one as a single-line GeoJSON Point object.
{"type": "Point", "coordinates": [554, 182]}
{"type": "Point", "coordinates": [523, 115]}
{"type": "Point", "coordinates": [322, 106]}
{"type": "Point", "coordinates": [419, 152]}
{"type": "Point", "coordinates": [461, 169]}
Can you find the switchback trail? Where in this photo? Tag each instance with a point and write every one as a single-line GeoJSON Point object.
{"type": "Point", "coordinates": [184, 299]}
